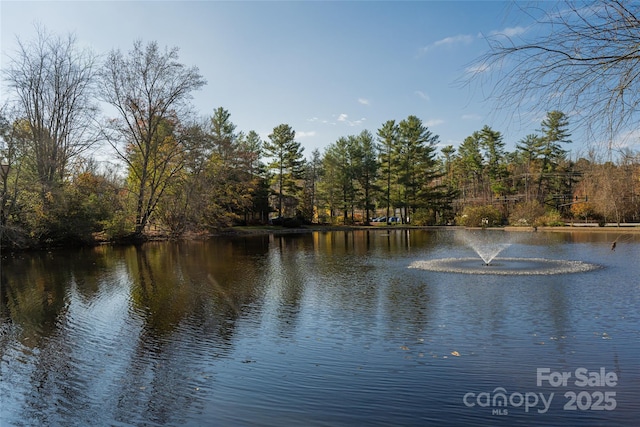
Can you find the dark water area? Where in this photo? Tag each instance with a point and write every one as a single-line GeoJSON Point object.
{"type": "Point", "coordinates": [321, 329]}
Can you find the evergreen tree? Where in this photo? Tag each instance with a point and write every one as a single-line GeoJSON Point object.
{"type": "Point", "coordinates": [312, 174]}
{"type": "Point", "coordinates": [366, 171]}
{"type": "Point", "coordinates": [387, 139]}
{"type": "Point", "coordinates": [339, 160]}
{"type": "Point", "coordinates": [287, 161]}
{"type": "Point", "coordinates": [471, 164]}
{"type": "Point", "coordinates": [415, 152]}
{"type": "Point", "coordinates": [554, 132]}
{"type": "Point", "coordinates": [223, 137]}
{"type": "Point", "coordinates": [493, 145]}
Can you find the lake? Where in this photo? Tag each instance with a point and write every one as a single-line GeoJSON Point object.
{"type": "Point", "coordinates": [322, 329]}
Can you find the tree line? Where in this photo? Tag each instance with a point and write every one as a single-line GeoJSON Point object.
{"type": "Point", "coordinates": [186, 174]}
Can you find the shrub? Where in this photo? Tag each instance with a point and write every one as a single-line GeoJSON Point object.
{"type": "Point", "coordinates": [422, 217]}
{"type": "Point", "coordinates": [551, 218]}
{"type": "Point", "coordinates": [118, 226]}
{"type": "Point", "coordinates": [472, 216]}
{"type": "Point", "coordinates": [525, 214]}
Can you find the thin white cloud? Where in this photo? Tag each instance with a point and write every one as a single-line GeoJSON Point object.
{"type": "Point", "coordinates": [423, 95]}
{"type": "Point", "coordinates": [450, 41]}
{"type": "Point", "coordinates": [479, 68]}
{"type": "Point", "coordinates": [344, 118]}
{"type": "Point", "coordinates": [434, 122]}
{"type": "Point", "coordinates": [509, 31]}
{"type": "Point", "coordinates": [447, 42]}
{"type": "Point", "coordinates": [305, 134]}
{"type": "Point", "coordinates": [364, 101]}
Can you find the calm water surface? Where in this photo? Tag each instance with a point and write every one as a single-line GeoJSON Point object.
{"type": "Point", "coordinates": [322, 329]}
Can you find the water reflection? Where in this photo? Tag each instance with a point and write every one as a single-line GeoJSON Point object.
{"type": "Point", "coordinates": [325, 328]}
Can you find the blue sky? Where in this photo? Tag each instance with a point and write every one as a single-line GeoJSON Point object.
{"type": "Point", "coordinates": [328, 69]}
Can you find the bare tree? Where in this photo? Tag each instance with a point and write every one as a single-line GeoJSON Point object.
{"type": "Point", "coordinates": [582, 57]}
{"type": "Point", "coordinates": [149, 89]}
{"type": "Point", "coordinates": [52, 80]}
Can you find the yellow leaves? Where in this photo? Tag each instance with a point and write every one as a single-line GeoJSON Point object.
{"type": "Point", "coordinates": [582, 209]}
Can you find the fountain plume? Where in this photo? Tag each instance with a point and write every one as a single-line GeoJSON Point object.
{"type": "Point", "coordinates": [485, 244]}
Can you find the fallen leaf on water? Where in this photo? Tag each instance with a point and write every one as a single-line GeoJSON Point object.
{"type": "Point", "coordinates": [404, 347]}
{"type": "Point", "coordinates": [455, 353]}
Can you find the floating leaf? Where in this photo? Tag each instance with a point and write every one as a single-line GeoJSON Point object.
{"type": "Point", "coordinates": [455, 353]}
{"type": "Point", "coordinates": [404, 347]}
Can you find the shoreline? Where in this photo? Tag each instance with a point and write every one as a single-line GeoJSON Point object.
{"type": "Point", "coordinates": [261, 230]}
{"type": "Point", "coordinates": [248, 231]}
{"type": "Point", "coordinates": [581, 228]}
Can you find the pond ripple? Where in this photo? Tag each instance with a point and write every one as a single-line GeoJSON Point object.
{"type": "Point", "coordinates": [326, 329]}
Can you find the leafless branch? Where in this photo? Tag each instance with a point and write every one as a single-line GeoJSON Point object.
{"type": "Point", "coordinates": [52, 81]}
{"type": "Point", "coordinates": [579, 57]}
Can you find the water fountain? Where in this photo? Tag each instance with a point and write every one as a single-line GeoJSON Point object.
{"type": "Point", "coordinates": [485, 244]}
{"type": "Point", "coordinates": [488, 245]}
